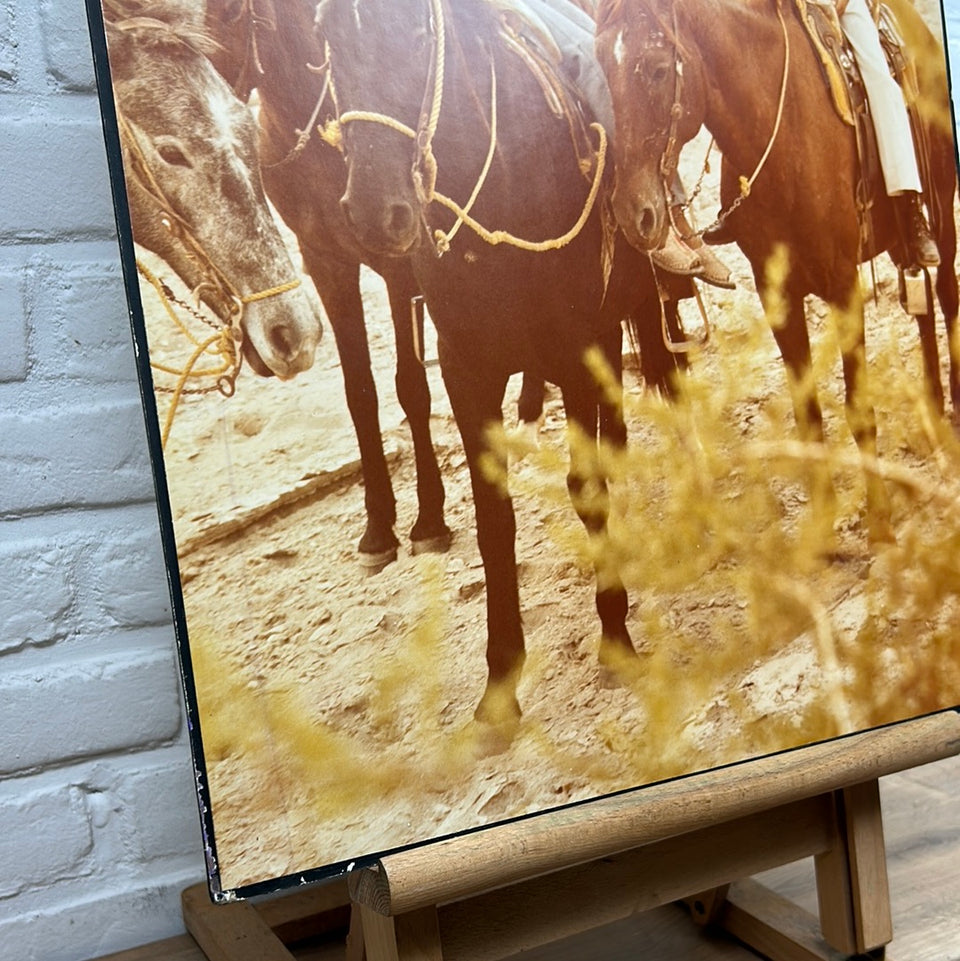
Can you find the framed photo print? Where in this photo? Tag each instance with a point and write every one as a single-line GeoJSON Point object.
{"type": "Point", "coordinates": [546, 397]}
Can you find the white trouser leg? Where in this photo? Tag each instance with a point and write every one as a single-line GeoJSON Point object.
{"type": "Point", "coordinates": [894, 140]}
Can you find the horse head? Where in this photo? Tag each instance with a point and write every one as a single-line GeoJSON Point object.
{"type": "Point", "coordinates": [193, 181]}
{"type": "Point", "coordinates": [658, 104]}
{"type": "Point", "coordinates": [388, 77]}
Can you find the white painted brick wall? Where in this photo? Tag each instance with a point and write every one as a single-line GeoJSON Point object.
{"type": "Point", "coordinates": [98, 823]}
{"type": "Point", "coordinates": [98, 828]}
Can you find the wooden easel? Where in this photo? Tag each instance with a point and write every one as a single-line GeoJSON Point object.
{"type": "Point", "coordinates": [516, 886]}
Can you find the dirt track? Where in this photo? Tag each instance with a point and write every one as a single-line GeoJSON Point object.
{"type": "Point", "coordinates": [337, 706]}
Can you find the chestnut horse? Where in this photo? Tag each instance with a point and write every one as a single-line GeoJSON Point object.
{"type": "Point", "coordinates": [674, 65]}
{"type": "Point", "coordinates": [433, 94]}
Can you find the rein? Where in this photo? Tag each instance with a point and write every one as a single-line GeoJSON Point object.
{"type": "Point", "coordinates": [222, 344]}
{"type": "Point", "coordinates": [746, 183]}
{"type": "Point", "coordinates": [425, 165]}
{"type": "Point", "coordinates": [243, 87]}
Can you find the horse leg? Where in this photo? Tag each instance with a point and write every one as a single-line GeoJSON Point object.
{"type": "Point", "coordinates": [476, 401]}
{"type": "Point", "coordinates": [658, 364]}
{"type": "Point", "coordinates": [587, 486]}
{"type": "Point", "coordinates": [927, 329]}
{"type": "Point", "coordinates": [429, 532]}
{"type": "Point", "coordinates": [949, 298]}
{"type": "Point", "coordinates": [530, 404]}
{"type": "Point", "coordinates": [941, 192]}
{"type": "Point", "coordinates": [862, 420]}
{"type": "Point", "coordinates": [793, 340]}
{"type": "Point", "coordinates": [338, 284]}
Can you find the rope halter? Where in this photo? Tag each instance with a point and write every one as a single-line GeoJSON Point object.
{"type": "Point", "coordinates": [425, 168]}
{"type": "Point", "coordinates": [225, 342]}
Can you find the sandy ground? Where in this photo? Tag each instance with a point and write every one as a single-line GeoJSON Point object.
{"type": "Point", "coordinates": [336, 707]}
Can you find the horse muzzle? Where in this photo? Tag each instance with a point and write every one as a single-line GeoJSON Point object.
{"type": "Point", "coordinates": [390, 228]}
{"type": "Point", "coordinates": [280, 337]}
{"type": "Point", "coordinates": [641, 211]}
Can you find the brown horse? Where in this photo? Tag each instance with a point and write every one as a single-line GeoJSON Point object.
{"type": "Point", "coordinates": [270, 45]}
{"type": "Point", "coordinates": [674, 65]}
{"type": "Point", "coordinates": [433, 93]}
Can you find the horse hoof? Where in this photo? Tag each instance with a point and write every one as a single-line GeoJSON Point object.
{"type": "Point", "coordinates": [620, 664]}
{"type": "Point", "coordinates": [432, 545]}
{"type": "Point", "coordinates": [490, 740]}
{"type": "Point", "coordinates": [373, 563]}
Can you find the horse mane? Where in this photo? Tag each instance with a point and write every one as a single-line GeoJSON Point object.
{"type": "Point", "coordinates": [608, 14]}
{"type": "Point", "coordinates": [479, 17]}
{"type": "Point", "coordinates": [161, 24]}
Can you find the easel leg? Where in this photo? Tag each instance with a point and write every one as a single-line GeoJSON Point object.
{"type": "Point", "coordinates": [408, 937]}
{"type": "Point", "coordinates": [852, 889]}
{"type": "Point", "coordinates": [355, 946]}
{"type": "Point", "coordinates": [708, 906]}
{"type": "Point", "coordinates": [852, 886]}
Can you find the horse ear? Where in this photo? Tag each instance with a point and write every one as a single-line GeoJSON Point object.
{"type": "Point", "coordinates": [120, 46]}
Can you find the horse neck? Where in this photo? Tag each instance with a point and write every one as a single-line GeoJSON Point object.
{"type": "Point", "coordinates": [738, 49]}
{"type": "Point", "coordinates": [473, 56]}
{"type": "Point", "coordinates": [288, 88]}
{"type": "Point", "coordinates": [467, 90]}
{"type": "Point", "coordinates": [466, 104]}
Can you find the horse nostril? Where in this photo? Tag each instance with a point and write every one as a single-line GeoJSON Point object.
{"type": "Point", "coordinates": [647, 222]}
{"type": "Point", "coordinates": [399, 220]}
{"type": "Point", "coordinates": [283, 340]}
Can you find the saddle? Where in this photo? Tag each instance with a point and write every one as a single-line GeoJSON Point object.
{"type": "Point", "coordinates": [848, 95]}
{"type": "Point", "coordinates": [556, 45]}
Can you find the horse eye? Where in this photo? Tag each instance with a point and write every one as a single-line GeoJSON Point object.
{"type": "Point", "coordinates": [170, 153]}
{"type": "Point", "coordinates": [659, 74]}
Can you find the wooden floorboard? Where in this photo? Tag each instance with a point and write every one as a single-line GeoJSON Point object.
{"type": "Point", "coordinates": [922, 829]}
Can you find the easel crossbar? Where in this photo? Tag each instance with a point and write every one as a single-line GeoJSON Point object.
{"type": "Point", "coordinates": [507, 921]}
{"type": "Point", "coordinates": [508, 854]}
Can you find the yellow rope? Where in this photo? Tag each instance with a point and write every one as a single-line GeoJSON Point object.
{"type": "Point", "coordinates": [746, 183]}
{"type": "Point", "coordinates": [332, 133]}
{"type": "Point", "coordinates": [271, 292]}
{"type": "Point", "coordinates": [226, 349]}
{"type": "Point", "coordinates": [442, 240]}
{"type": "Point", "coordinates": [222, 338]}
{"type": "Point", "coordinates": [372, 117]}
{"type": "Point", "coordinates": [495, 237]}
{"type": "Point", "coordinates": [425, 143]}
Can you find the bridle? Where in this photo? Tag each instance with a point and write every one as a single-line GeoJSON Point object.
{"type": "Point", "coordinates": [252, 63]}
{"type": "Point", "coordinates": [424, 167]}
{"type": "Point", "coordinates": [228, 333]}
{"type": "Point", "coordinates": [670, 158]}
{"type": "Point", "coordinates": [214, 278]}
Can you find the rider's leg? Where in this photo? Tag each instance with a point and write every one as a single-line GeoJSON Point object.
{"type": "Point", "coordinates": [891, 122]}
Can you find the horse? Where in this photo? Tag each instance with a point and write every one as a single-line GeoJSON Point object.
{"type": "Point", "coordinates": [438, 100]}
{"type": "Point", "coordinates": [747, 72]}
{"type": "Point", "coordinates": [270, 46]}
{"type": "Point", "coordinates": [192, 175]}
